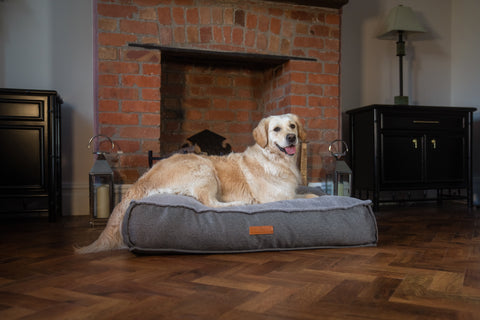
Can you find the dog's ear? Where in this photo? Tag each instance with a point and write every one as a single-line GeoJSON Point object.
{"type": "Point", "coordinates": [301, 131]}
{"type": "Point", "coordinates": [260, 133]}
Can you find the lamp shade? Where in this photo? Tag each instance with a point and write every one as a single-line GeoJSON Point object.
{"type": "Point", "coordinates": [401, 18]}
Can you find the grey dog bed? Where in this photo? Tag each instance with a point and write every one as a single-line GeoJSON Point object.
{"type": "Point", "coordinates": [178, 224]}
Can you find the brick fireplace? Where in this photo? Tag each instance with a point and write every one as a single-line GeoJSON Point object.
{"type": "Point", "coordinates": [168, 69]}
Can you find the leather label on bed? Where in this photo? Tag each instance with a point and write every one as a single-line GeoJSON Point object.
{"type": "Point", "coordinates": [255, 230]}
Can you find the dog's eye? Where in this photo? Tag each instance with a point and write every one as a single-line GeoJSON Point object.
{"type": "Point", "coordinates": [276, 129]}
{"type": "Point", "coordinates": [292, 126]}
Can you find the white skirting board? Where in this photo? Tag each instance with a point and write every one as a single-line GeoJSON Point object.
{"type": "Point", "coordinates": [75, 198]}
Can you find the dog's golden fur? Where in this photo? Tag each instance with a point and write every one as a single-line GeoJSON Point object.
{"type": "Point", "coordinates": [264, 172]}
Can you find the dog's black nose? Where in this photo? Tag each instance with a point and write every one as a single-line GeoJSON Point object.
{"type": "Point", "coordinates": [291, 138]}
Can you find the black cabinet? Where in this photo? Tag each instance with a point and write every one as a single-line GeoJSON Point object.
{"type": "Point", "coordinates": [30, 157]}
{"type": "Point", "coordinates": [397, 147]}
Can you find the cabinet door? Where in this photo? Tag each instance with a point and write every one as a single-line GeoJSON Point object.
{"type": "Point", "coordinates": [23, 159]}
{"type": "Point", "coordinates": [445, 156]}
{"type": "Point", "coordinates": [401, 158]}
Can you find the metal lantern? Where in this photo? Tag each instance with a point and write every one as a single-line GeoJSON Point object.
{"type": "Point", "coordinates": [100, 181]}
{"type": "Point", "coordinates": [342, 176]}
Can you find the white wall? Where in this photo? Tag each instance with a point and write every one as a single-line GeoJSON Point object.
{"type": "Point", "coordinates": [465, 79]}
{"type": "Point", "coordinates": [48, 44]}
{"type": "Point", "coordinates": [369, 66]}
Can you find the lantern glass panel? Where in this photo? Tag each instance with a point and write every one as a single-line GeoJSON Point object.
{"type": "Point", "coordinates": [343, 183]}
{"type": "Point", "coordinates": [101, 197]}
{"type": "Point", "coordinates": [328, 185]}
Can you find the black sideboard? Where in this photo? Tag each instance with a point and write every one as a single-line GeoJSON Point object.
{"type": "Point", "coordinates": [405, 148]}
{"type": "Point", "coordinates": [30, 157]}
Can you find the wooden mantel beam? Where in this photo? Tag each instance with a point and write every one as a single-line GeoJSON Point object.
{"type": "Point", "coordinates": [316, 3]}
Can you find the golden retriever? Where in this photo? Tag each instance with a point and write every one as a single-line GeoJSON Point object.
{"type": "Point", "coordinates": [264, 172]}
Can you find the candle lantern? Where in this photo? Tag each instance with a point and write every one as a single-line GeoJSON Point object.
{"type": "Point", "coordinates": [342, 176]}
{"type": "Point", "coordinates": [100, 181]}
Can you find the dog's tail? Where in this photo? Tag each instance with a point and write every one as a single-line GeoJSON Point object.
{"type": "Point", "coordinates": [111, 237]}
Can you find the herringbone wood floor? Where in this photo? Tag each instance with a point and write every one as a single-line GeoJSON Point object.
{"type": "Point", "coordinates": [426, 266]}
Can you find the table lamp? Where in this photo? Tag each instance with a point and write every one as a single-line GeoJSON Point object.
{"type": "Point", "coordinates": [401, 20]}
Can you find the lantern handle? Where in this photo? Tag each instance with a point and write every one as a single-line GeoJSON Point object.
{"type": "Point", "coordinates": [338, 155]}
{"type": "Point", "coordinates": [97, 136]}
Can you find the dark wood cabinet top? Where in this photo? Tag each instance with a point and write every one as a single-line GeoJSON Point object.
{"type": "Point", "coordinates": [411, 108]}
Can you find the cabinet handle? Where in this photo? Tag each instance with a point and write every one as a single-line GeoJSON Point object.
{"type": "Point", "coordinates": [415, 143]}
{"type": "Point", "coordinates": [434, 143]}
{"type": "Point", "coordinates": [427, 121]}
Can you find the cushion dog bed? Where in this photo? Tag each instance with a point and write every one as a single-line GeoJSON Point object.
{"type": "Point", "coordinates": [166, 223]}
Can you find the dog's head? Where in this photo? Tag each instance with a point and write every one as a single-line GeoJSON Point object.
{"type": "Point", "coordinates": [280, 134]}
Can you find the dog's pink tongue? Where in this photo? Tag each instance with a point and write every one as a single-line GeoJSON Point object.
{"type": "Point", "coordinates": [291, 150]}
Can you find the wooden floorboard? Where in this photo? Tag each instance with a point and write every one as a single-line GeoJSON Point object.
{"type": "Point", "coordinates": [426, 266]}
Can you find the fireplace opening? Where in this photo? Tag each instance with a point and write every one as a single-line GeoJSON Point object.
{"type": "Point", "coordinates": [223, 99]}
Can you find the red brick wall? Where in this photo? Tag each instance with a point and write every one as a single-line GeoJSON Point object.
{"type": "Point", "coordinates": [229, 102]}
{"type": "Point", "coordinates": [225, 100]}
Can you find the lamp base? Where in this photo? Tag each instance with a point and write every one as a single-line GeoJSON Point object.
{"type": "Point", "coordinates": [401, 100]}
